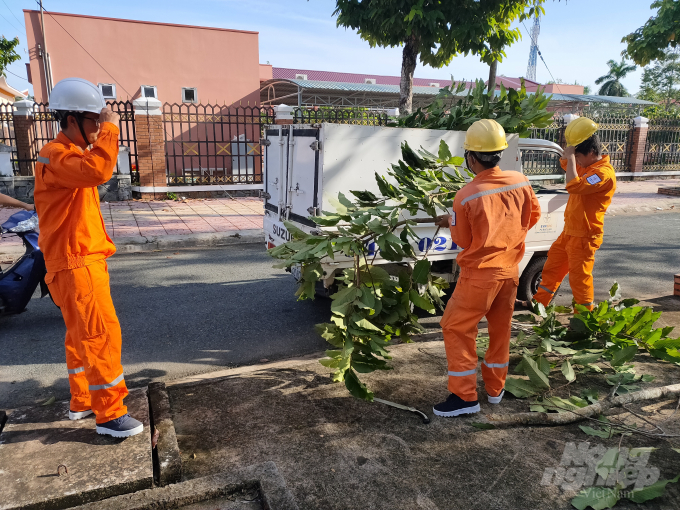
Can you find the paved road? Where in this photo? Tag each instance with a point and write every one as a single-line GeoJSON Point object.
{"type": "Point", "coordinates": [198, 310]}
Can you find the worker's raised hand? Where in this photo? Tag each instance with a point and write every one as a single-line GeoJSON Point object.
{"type": "Point", "coordinates": [569, 151]}
{"type": "Point", "coordinates": [442, 221]}
{"type": "Point", "coordinates": [107, 115]}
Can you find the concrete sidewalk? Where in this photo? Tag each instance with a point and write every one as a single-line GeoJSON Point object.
{"type": "Point", "coordinates": [138, 225]}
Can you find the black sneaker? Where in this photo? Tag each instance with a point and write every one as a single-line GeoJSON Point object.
{"type": "Point", "coordinates": [125, 426]}
{"type": "Point", "coordinates": [454, 405]}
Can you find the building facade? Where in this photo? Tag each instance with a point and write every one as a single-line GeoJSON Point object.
{"type": "Point", "coordinates": [129, 59]}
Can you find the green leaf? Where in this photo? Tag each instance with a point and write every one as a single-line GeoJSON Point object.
{"type": "Point", "coordinates": [483, 426]}
{"type": "Point", "coordinates": [536, 376]}
{"type": "Point", "coordinates": [614, 289]}
{"type": "Point", "coordinates": [650, 492]}
{"type": "Point", "coordinates": [584, 359]}
{"type": "Point", "coordinates": [563, 309]}
{"type": "Point", "coordinates": [568, 371]}
{"type": "Point", "coordinates": [520, 388]}
{"type": "Point", "coordinates": [420, 301]}
{"type": "Point", "coordinates": [49, 401]}
{"type": "Point", "coordinates": [623, 355]}
{"type": "Point", "coordinates": [356, 387]}
{"type": "Point", "coordinates": [605, 434]}
{"type": "Point", "coordinates": [366, 324]}
{"type": "Point", "coordinates": [535, 408]}
{"type": "Point", "coordinates": [331, 333]}
{"type": "Point", "coordinates": [596, 497]}
{"type": "Point", "coordinates": [444, 152]}
{"type": "Point", "coordinates": [421, 270]}
{"type": "Point", "coordinates": [590, 395]}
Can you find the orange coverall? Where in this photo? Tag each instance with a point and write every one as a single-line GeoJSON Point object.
{"type": "Point", "coordinates": [574, 251]}
{"type": "Point", "coordinates": [490, 220]}
{"type": "Point", "coordinates": [74, 242]}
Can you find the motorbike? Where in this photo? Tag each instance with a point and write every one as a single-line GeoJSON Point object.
{"type": "Point", "coordinates": [19, 281]}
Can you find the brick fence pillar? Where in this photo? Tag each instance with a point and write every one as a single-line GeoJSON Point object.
{"type": "Point", "coordinates": [150, 146]}
{"type": "Point", "coordinates": [24, 131]}
{"type": "Point", "coordinates": [639, 141]}
{"type": "Point", "coordinates": [283, 114]}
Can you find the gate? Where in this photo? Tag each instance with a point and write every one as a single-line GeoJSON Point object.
{"type": "Point", "coordinates": [214, 144]}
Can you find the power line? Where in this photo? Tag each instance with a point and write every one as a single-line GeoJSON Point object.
{"type": "Point", "coordinates": [10, 72]}
{"type": "Point", "coordinates": [542, 59]}
{"type": "Point", "coordinates": [12, 13]}
{"type": "Point", "coordinates": [8, 21]}
{"type": "Point", "coordinates": [83, 47]}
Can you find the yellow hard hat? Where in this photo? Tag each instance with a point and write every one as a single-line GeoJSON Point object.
{"type": "Point", "coordinates": [485, 135]}
{"type": "Point", "coordinates": [579, 130]}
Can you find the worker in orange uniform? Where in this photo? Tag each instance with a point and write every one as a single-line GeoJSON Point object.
{"type": "Point", "coordinates": [75, 245]}
{"type": "Point", "coordinates": [490, 220]}
{"type": "Point", "coordinates": [591, 184]}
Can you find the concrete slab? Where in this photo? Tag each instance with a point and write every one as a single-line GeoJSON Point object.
{"type": "Point", "coordinates": [166, 454]}
{"type": "Point", "coordinates": [35, 441]}
{"type": "Point", "coordinates": [259, 486]}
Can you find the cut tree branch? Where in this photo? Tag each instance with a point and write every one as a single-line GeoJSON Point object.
{"type": "Point", "coordinates": [573, 416]}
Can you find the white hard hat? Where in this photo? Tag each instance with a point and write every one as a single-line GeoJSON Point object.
{"type": "Point", "coordinates": [76, 95]}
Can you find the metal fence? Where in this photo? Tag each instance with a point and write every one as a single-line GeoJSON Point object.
{"type": "Point", "coordinates": [46, 128]}
{"type": "Point", "coordinates": [552, 132]}
{"type": "Point", "coordinates": [616, 134]}
{"type": "Point", "coordinates": [214, 144]}
{"type": "Point", "coordinates": [662, 149]}
{"type": "Point", "coordinates": [358, 116]}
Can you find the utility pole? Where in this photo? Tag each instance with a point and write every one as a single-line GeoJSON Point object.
{"type": "Point", "coordinates": [47, 66]}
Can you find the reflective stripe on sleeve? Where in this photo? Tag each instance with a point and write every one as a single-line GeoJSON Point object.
{"type": "Point", "coordinates": [496, 365]}
{"type": "Point", "coordinates": [109, 385]}
{"type": "Point", "coordinates": [44, 161]}
{"type": "Point", "coordinates": [461, 374]}
{"type": "Point", "coordinates": [545, 289]}
{"type": "Point", "coordinates": [76, 370]}
{"type": "Point", "coordinates": [496, 190]}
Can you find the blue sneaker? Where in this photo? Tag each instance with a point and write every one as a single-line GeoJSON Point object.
{"type": "Point", "coordinates": [125, 426]}
{"type": "Point", "coordinates": [454, 406]}
{"type": "Point", "coordinates": [78, 415]}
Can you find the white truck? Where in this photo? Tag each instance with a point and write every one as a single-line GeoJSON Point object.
{"type": "Point", "coordinates": [305, 165]}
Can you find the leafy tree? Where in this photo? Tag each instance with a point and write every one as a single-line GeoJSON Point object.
{"type": "Point", "coordinates": [7, 53]}
{"type": "Point", "coordinates": [436, 31]}
{"type": "Point", "coordinates": [660, 82]}
{"type": "Point", "coordinates": [612, 85]}
{"type": "Point", "coordinates": [648, 42]}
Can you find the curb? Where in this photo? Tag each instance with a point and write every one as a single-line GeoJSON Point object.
{"type": "Point", "coordinates": [167, 460]}
{"type": "Point", "coordinates": [141, 244]}
{"type": "Point", "coordinates": [265, 477]}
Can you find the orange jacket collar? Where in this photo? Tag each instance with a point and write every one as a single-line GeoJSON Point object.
{"type": "Point", "coordinates": [65, 140]}
{"type": "Point", "coordinates": [488, 173]}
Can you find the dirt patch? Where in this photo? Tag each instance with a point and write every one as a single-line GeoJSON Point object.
{"type": "Point", "coordinates": [336, 452]}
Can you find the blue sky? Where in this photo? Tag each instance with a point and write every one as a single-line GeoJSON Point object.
{"type": "Point", "coordinates": [577, 37]}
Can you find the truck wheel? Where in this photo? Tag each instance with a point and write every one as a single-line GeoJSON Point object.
{"type": "Point", "coordinates": [531, 279]}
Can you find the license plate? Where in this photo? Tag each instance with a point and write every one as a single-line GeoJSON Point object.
{"type": "Point", "coordinates": [296, 271]}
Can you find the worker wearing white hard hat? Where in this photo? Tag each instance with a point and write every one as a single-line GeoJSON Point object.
{"type": "Point", "coordinates": [75, 244]}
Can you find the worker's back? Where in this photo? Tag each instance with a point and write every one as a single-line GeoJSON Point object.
{"type": "Point", "coordinates": [492, 215]}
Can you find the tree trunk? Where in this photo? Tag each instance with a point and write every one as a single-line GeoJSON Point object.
{"type": "Point", "coordinates": [492, 75]}
{"type": "Point", "coordinates": [408, 66]}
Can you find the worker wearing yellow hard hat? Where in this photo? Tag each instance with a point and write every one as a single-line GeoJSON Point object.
{"type": "Point", "coordinates": [490, 219]}
{"type": "Point", "coordinates": [591, 184]}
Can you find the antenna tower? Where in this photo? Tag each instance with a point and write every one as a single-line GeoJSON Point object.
{"type": "Point", "coordinates": [533, 52]}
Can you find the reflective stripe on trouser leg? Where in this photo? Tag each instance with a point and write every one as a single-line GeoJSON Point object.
{"type": "Point", "coordinates": [581, 251]}
{"type": "Point", "coordinates": [80, 394]}
{"type": "Point", "coordinates": [554, 271]}
{"type": "Point", "coordinates": [470, 302]}
{"type": "Point", "coordinates": [92, 323]}
{"type": "Point", "coordinates": [499, 318]}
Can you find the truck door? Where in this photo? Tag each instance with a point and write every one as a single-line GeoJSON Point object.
{"type": "Point", "coordinates": [303, 175]}
{"type": "Point", "coordinates": [276, 168]}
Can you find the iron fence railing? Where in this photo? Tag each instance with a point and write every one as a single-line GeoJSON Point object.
{"type": "Point", "coordinates": [358, 116]}
{"type": "Point", "coordinates": [616, 134]}
{"type": "Point", "coordinates": [662, 148]}
{"type": "Point", "coordinates": [540, 162]}
{"type": "Point", "coordinates": [46, 128]}
{"type": "Point", "coordinates": [552, 132]}
{"type": "Point", "coordinates": [214, 144]}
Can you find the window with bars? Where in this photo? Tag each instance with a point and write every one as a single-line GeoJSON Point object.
{"type": "Point", "coordinates": [108, 90]}
{"type": "Point", "coordinates": [189, 95]}
{"type": "Point", "coordinates": [149, 91]}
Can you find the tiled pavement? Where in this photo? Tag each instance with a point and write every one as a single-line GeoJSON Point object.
{"type": "Point", "coordinates": [167, 217]}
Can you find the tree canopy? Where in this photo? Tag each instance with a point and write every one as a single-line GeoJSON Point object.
{"type": "Point", "coordinates": [435, 31]}
{"type": "Point", "coordinates": [649, 41]}
{"type": "Point", "coordinates": [660, 82]}
{"type": "Point", "coordinates": [7, 53]}
{"type": "Point", "coordinates": [611, 81]}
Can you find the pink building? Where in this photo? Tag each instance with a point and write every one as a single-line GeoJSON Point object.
{"type": "Point", "coordinates": [173, 63]}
